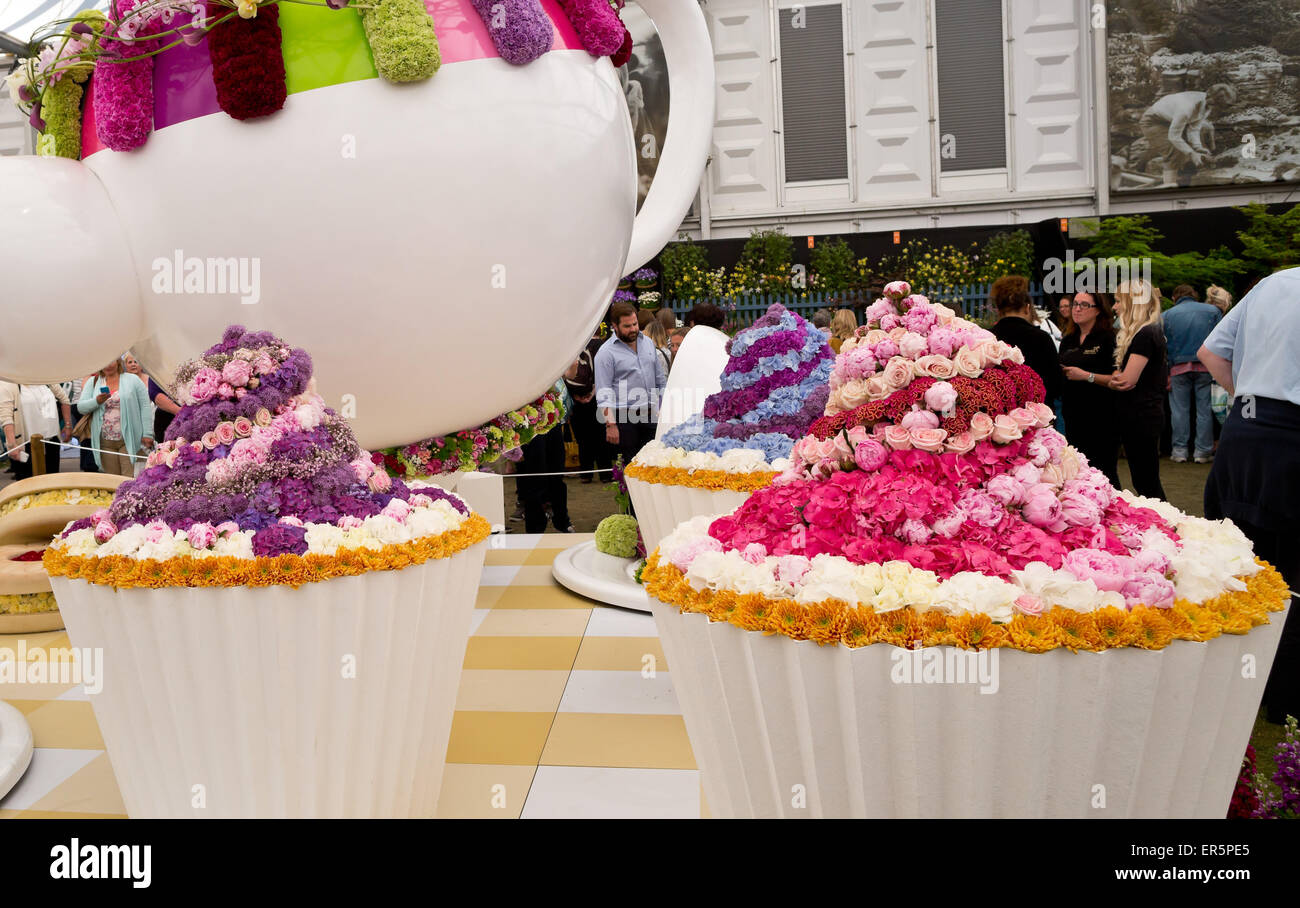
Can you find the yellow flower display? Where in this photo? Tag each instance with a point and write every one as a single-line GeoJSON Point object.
{"type": "Point", "coordinates": [97, 497]}
{"type": "Point", "coordinates": [122, 572]}
{"type": "Point", "coordinates": [834, 622]}
{"type": "Point", "coordinates": [27, 604]}
{"type": "Point", "coordinates": [713, 480]}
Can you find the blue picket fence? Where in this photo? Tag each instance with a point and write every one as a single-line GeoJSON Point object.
{"type": "Point", "coordinates": [971, 300]}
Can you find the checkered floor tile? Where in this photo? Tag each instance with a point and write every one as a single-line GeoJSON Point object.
{"type": "Point", "coordinates": [566, 709]}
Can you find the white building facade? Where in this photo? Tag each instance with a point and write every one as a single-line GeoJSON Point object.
{"type": "Point", "coordinates": [847, 116]}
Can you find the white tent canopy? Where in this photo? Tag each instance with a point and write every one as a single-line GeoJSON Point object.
{"type": "Point", "coordinates": [20, 18]}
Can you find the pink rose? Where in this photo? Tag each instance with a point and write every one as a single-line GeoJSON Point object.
{"type": "Point", "coordinates": [939, 367]}
{"type": "Point", "coordinates": [857, 435]}
{"type": "Point", "coordinates": [928, 439]}
{"type": "Point", "coordinates": [968, 362]}
{"type": "Point", "coordinates": [225, 433]}
{"type": "Point", "coordinates": [243, 426]}
{"type": "Point", "coordinates": [878, 388]}
{"type": "Point", "coordinates": [1041, 506]}
{"type": "Point", "coordinates": [981, 426]}
{"type": "Point", "coordinates": [1006, 489]}
{"type": "Point", "coordinates": [236, 373]}
{"type": "Point", "coordinates": [961, 443]}
{"type": "Point", "coordinates": [1025, 419]}
{"type": "Point", "coordinates": [898, 373]}
{"type": "Point", "coordinates": [210, 440]}
{"type": "Point", "coordinates": [205, 384]}
{"type": "Point", "coordinates": [941, 397]}
{"type": "Point", "coordinates": [1029, 605]}
{"type": "Point", "coordinates": [1042, 413]}
{"type": "Point", "coordinates": [201, 535]}
{"type": "Point", "coordinates": [919, 419]}
{"type": "Point", "coordinates": [853, 394]}
{"type": "Point", "coordinates": [1005, 429]}
{"type": "Point", "coordinates": [870, 455]}
{"type": "Point", "coordinates": [1148, 589]}
{"type": "Point", "coordinates": [1102, 568]}
{"type": "Point", "coordinates": [262, 417]}
{"type": "Point", "coordinates": [913, 345]}
{"type": "Point", "coordinates": [898, 438]}
{"type": "Point", "coordinates": [841, 451]}
{"type": "Point", "coordinates": [379, 481]}
{"type": "Point", "coordinates": [348, 522]}
{"type": "Point", "coordinates": [225, 391]}
{"type": "Point", "coordinates": [874, 336]}
{"type": "Point", "coordinates": [896, 333]}
{"type": "Point", "coordinates": [993, 352]}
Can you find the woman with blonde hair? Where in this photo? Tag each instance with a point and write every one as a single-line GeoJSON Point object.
{"type": "Point", "coordinates": [1140, 378]}
{"type": "Point", "coordinates": [843, 324]}
{"type": "Point", "coordinates": [655, 331]}
{"type": "Point", "coordinates": [1217, 296]}
{"type": "Point", "coordinates": [122, 425]}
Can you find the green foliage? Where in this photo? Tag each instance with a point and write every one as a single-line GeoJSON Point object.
{"type": "Point", "coordinates": [616, 535]}
{"type": "Point", "coordinates": [1134, 238]}
{"type": "Point", "coordinates": [1005, 253]}
{"type": "Point", "coordinates": [1271, 241]}
{"type": "Point", "coordinates": [834, 266]}
{"type": "Point", "coordinates": [683, 265]}
{"type": "Point", "coordinates": [765, 262]}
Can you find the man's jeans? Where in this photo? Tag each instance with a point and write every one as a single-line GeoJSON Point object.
{"type": "Point", "coordinates": [1185, 387]}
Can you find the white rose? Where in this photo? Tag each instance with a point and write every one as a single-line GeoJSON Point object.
{"type": "Point", "coordinates": [124, 542]}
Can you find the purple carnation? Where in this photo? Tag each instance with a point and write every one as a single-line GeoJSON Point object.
{"type": "Point", "coordinates": [279, 539]}
{"type": "Point", "coordinates": [521, 30]}
{"type": "Point", "coordinates": [598, 26]}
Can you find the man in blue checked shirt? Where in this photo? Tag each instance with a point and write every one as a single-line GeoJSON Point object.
{"type": "Point", "coordinates": [630, 379]}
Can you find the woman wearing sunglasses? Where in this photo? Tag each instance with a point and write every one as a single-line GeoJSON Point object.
{"type": "Point", "coordinates": [1088, 360]}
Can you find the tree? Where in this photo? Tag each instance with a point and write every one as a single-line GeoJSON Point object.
{"type": "Point", "coordinates": [1270, 241]}
{"type": "Point", "coordinates": [834, 266]}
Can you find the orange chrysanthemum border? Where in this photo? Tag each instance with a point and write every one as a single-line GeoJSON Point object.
{"type": "Point", "coordinates": [834, 622]}
{"type": "Point", "coordinates": [713, 480]}
{"type": "Point", "coordinates": [122, 571]}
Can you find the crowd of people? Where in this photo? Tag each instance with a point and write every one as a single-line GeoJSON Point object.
{"type": "Point", "coordinates": [114, 417]}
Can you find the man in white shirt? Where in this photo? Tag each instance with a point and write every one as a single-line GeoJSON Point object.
{"type": "Point", "coordinates": [630, 379]}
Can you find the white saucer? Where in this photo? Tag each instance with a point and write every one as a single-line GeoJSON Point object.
{"type": "Point", "coordinates": [15, 747]}
{"type": "Point", "coordinates": [598, 576]}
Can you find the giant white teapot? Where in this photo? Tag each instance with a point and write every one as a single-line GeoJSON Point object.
{"type": "Point", "coordinates": [442, 248]}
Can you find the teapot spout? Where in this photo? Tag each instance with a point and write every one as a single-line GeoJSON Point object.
{"type": "Point", "coordinates": [72, 299]}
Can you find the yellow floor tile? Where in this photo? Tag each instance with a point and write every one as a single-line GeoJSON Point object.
{"type": "Point", "coordinates": [603, 739]}
{"type": "Point", "coordinates": [515, 738]}
{"type": "Point", "coordinates": [484, 792]}
{"type": "Point", "coordinates": [535, 653]}
{"type": "Point", "coordinates": [25, 706]}
{"type": "Point", "coordinates": [488, 596]}
{"type": "Point", "coordinates": [510, 556]}
{"type": "Point", "coordinates": [90, 790]}
{"type": "Point", "coordinates": [540, 556]}
{"type": "Point", "coordinates": [64, 723]}
{"type": "Point", "coordinates": [24, 691]}
{"type": "Point", "coordinates": [55, 644]}
{"type": "Point", "coordinates": [511, 689]}
{"type": "Point", "coordinates": [535, 575]}
{"type": "Point", "coordinates": [549, 596]}
{"type": "Point", "coordinates": [560, 622]}
{"type": "Point", "coordinates": [619, 654]}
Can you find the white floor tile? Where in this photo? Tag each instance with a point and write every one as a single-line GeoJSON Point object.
{"type": "Point", "coordinates": [515, 541]}
{"type": "Point", "coordinates": [76, 692]}
{"type": "Point", "coordinates": [479, 615]}
{"type": "Point", "coordinates": [498, 574]}
{"type": "Point", "coordinates": [619, 622]}
{"type": "Point", "coordinates": [588, 792]}
{"type": "Point", "coordinates": [619, 692]}
{"type": "Point", "coordinates": [50, 767]}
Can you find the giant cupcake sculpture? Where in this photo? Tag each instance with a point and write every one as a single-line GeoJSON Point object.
{"type": "Point", "coordinates": [282, 624]}
{"type": "Point", "coordinates": [774, 385]}
{"type": "Point", "coordinates": [940, 609]}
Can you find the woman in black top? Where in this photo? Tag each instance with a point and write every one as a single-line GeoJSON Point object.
{"type": "Point", "coordinates": [1015, 326]}
{"type": "Point", "coordinates": [1141, 380]}
{"type": "Point", "coordinates": [1088, 359]}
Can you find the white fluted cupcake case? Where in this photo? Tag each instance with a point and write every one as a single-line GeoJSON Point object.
{"type": "Point", "coordinates": [331, 700]}
{"type": "Point", "coordinates": [661, 507]}
{"type": "Point", "coordinates": [784, 728]}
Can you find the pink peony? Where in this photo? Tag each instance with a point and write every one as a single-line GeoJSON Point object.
{"type": "Point", "coordinates": [941, 397]}
{"type": "Point", "coordinates": [1027, 473]}
{"type": "Point", "coordinates": [1078, 509]}
{"type": "Point", "coordinates": [292, 521]}
{"type": "Point", "coordinates": [1102, 568]}
{"type": "Point", "coordinates": [104, 530]}
{"type": "Point", "coordinates": [1005, 429]}
{"type": "Point", "coordinates": [379, 481]}
{"type": "Point", "coordinates": [349, 522]}
{"type": "Point", "coordinates": [225, 391]}
{"type": "Point", "coordinates": [878, 310]}
{"type": "Point", "coordinates": [1040, 506]}
{"type": "Point", "coordinates": [1006, 489]}
{"type": "Point", "coordinates": [397, 509]}
{"type": "Point", "coordinates": [201, 535]}
{"type": "Point", "coordinates": [1149, 589]}
{"type": "Point", "coordinates": [682, 558]}
{"type": "Point", "coordinates": [961, 443]}
{"type": "Point", "coordinates": [236, 373]}
{"type": "Point", "coordinates": [248, 450]}
{"type": "Point", "coordinates": [981, 426]}
{"type": "Point", "coordinates": [792, 568]}
{"type": "Point", "coordinates": [928, 439]}
{"type": "Point", "coordinates": [263, 363]}
{"type": "Point", "coordinates": [919, 419]}
{"type": "Point", "coordinates": [754, 553]}
{"type": "Point", "coordinates": [920, 317]}
{"type": "Point", "coordinates": [981, 508]}
{"type": "Point", "coordinates": [890, 322]}
{"type": "Point", "coordinates": [419, 500]}
{"type": "Point", "coordinates": [156, 531]}
{"type": "Point", "coordinates": [913, 345]}
{"type": "Point", "coordinates": [241, 393]}
{"type": "Point", "coordinates": [914, 532]}
{"type": "Point", "coordinates": [942, 341]}
{"type": "Point", "coordinates": [1152, 562]}
{"type": "Point", "coordinates": [949, 525]}
{"type": "Point", "coordinates": [870, 455]}
{"type": "Point", "coordinates": [896, 290]}
{"type": "Point", "coordinates": [884, 349]}
{"type": "Point", "coordinates": [225, 433]}
{"type": "Point", "coordinates": [898, 438]}
{"type": "Point", "coordinates": [227, 528]}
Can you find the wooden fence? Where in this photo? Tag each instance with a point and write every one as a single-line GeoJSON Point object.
{"type": "Point", "coordinates": [972, 301]}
